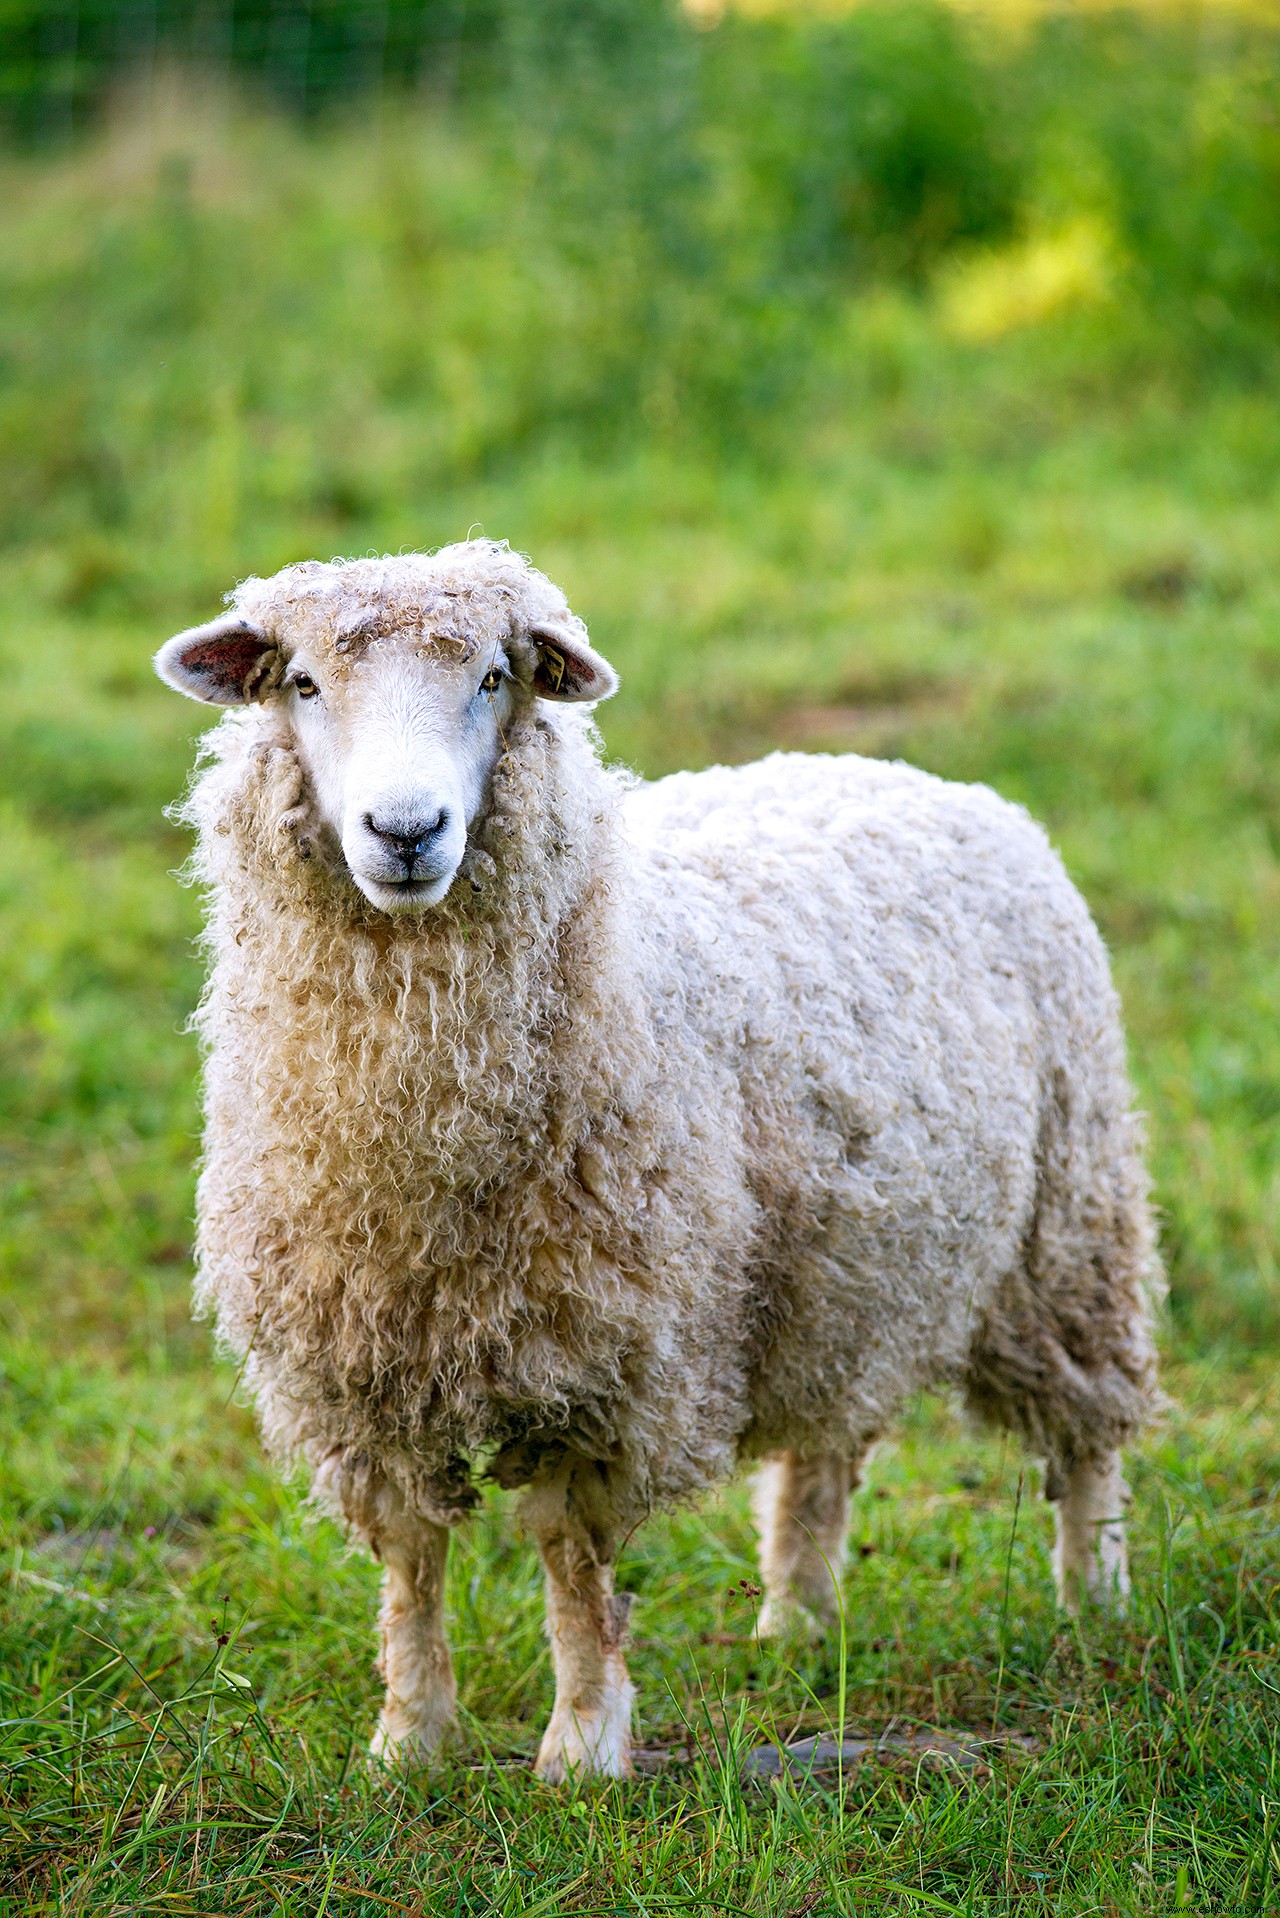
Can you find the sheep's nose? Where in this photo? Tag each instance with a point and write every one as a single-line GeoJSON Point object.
{"type": "Point", "coordinates": [408, 838]}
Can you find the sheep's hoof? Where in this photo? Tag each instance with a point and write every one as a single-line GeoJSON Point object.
{"type": "Point", "coordinates": [1093, 1575]}
{"type": "Point", "coordinates": [595, 1747]}
{"type": "Point", "coordinates": [400, 1748]}
{"type": "Point", "coordinates": [786, 1617]}
{"type": "Point", "coordinates": [558, 1768]}
{"type": "Point", "coordinates": [1081, 1597]}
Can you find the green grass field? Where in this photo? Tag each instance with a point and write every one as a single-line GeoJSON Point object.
{"type": "Point", "coordinates": [1040, 562]}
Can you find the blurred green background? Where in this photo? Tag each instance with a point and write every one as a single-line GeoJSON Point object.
{"type": "Point", "coordinates": [895, 379]}
{"type": "Point", "coordinates": [891, 379]}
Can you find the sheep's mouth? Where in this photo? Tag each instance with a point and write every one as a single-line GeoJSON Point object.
{"type": "Point", "coordinates": [404, 895]}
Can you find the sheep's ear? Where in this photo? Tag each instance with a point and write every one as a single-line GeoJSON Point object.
{"type": "Point", "coordinates": [567, 667]}
{"type": "Point", "coordinates": [229, 662]}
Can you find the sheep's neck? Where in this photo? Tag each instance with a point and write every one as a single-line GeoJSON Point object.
{"type": "Point", "coordinates": [441, 1155]}
{"type": "Point", "coordinates": [423, 1056]}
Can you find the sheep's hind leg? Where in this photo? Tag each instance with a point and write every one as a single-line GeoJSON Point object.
{"type": "Point", "coordinates": [577, 1529]}
{"type": "Point", "coordinates": [421, 1697]}
{"type": "Point", "coordinates": [1090, 1559]}
{"type": "Point", "coordinates": [802, 1510]}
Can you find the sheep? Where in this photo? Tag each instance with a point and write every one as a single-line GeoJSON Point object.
{"type": "Point", "coordinates": [598, 1138]}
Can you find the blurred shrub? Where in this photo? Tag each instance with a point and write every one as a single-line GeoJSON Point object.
{"type": "Point", "coordinates": [1166, 128]}
{"type": "Point", "coordinates": [605, 222]}
{"type": "Point", "coordinates": [1192, 143]}
{"type": "Point", "coordinates": [786, 154]}
{"type": "Point", "coordinates": [878, 140]}
{"type": "Point", "coordinates": [57, 57]}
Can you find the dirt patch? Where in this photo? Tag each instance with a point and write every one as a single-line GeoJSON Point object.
{"type": "Point", "coordinates": [904, 1750]}
{"type": "Point", "coordinates": [871, 724]}
{"type": "Point", "coordinates": [1164, 582]}
{"type": "Point", "coordinates": [957, 1751]}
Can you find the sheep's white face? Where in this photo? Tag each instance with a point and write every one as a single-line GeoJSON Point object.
{"type": "Point", "coordinates": [399, 751]}
{"type": "Point", "coordinates": [397, 735]}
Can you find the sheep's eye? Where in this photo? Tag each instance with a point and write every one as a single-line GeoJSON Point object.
{"type": "Point", "coordinates": [304, 686]}
{"type": "Point", "coordinates": [491, 681]}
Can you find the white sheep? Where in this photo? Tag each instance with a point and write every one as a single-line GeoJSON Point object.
{"type": "Point", "coordinates": [601, 1137]}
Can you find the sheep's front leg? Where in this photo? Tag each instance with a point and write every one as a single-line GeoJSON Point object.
{"type": "Point", "coordinates": [1090, 1558]}
{"type": "Point", "coordinates": [577, 1531]}
{"type": "Point", "coordinates": [413, 1658]}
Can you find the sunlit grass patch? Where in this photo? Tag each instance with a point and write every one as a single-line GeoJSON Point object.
{"type": "Point", "coordinates": [1006, 14]}
{"type": "Point", "coordinates": [1043, 276]}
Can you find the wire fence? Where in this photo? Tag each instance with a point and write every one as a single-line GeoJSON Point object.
{"type": "Point", "coordinates": [59, 58]}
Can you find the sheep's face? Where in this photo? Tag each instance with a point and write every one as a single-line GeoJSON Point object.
{"type": "Point", "coordinates": [397, 727]}
{"type": "Point", "coordinates": [399, 750]}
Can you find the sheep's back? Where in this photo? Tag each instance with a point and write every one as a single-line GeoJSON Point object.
{"type": "Point", "coordinates": [903, 979]}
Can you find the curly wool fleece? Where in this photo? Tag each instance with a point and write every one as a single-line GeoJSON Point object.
{"type": "Point", "coordinates": [700, 1120]}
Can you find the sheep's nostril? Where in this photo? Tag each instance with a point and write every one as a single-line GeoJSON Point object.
{"type": "Point", "coordinates": [408, 837]}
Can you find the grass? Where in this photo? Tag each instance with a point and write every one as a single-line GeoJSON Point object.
{"type": "Point", "coordinates": [1041, 562]}
{"type": "Point", "coordinates": [188, 1696]}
